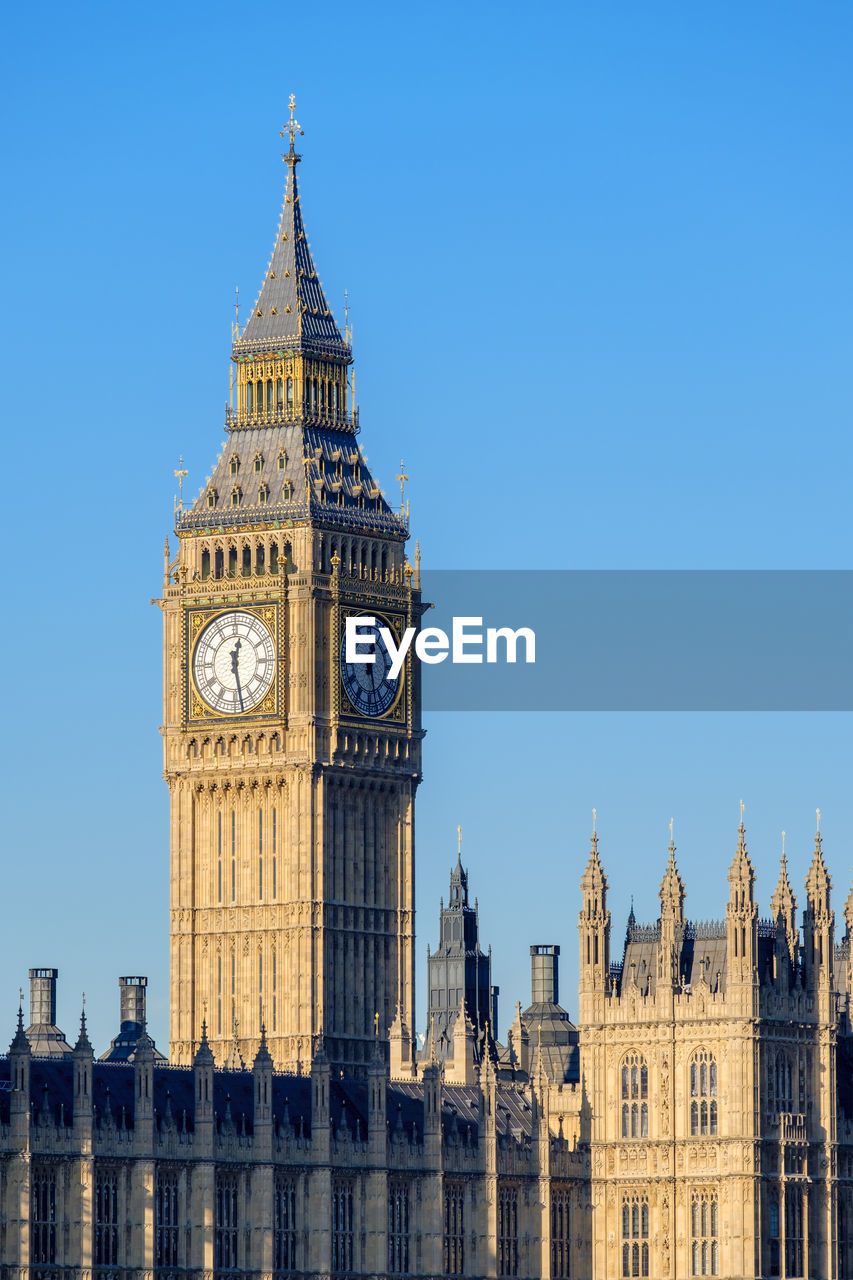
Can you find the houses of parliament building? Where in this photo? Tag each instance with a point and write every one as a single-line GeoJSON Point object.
{"type": "Point", "coordinates": [698, 1120]}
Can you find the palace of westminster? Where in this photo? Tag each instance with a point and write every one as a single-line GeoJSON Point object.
{"type": "Point", "coordinates": [698, 1120]}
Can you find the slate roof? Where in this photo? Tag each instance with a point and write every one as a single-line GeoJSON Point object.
{"type": "Point", "coordinates": [291, 309]}
{"type": "Point", "coordinates": [336, 467]}
{"type": "Point", "coordinates": [51, 1094]}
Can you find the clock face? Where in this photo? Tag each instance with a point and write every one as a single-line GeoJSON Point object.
{"type": "Point", "coordinates": [234, 662]}
{"type": "Point", "coordinates": [368, 685]}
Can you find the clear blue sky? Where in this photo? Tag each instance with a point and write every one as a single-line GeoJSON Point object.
{"type": "Point", "coordinates": [600, 268]}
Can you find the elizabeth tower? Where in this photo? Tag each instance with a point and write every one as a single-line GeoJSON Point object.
{"type": "Point", "coordinates": [292, 774]}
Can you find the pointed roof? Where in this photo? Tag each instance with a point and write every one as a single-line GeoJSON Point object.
{"type": "Point", "coordinates": [848, 912]}
{"type": "Point", "coordinates": [263, 1058]}
{"type": "Point", "coordinates": [741, 868]}
{"type": "Point", "coordinates": [291, 311]}
{"type": "Point", "coordinates": [204, 1053]}
{"type": "Point", "coordinates": [593, 877]}
{"type": "Point", "coordinates": [20, 1043]}
{"type": "Point", "coordinates": [818, 882]}
{"type": "Point", "coordinates": [783, 902]}
{"type": "Point", "coordinates": [672, 891]}
{"type": "Point", "coordinates": [83, 1044]}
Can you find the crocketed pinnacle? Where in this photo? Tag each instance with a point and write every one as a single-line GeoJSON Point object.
{"type": "Point", "coordinates": [204, 1053]}
{"type": "Point", "coordinates": [83, 1045]}
{"type": "Point", "coordinates": [783, 903]}
{"type": "Point", "coordinates": [291, 311]}
{"type": "Point", "coordinates": [20, 1043]}
{"type": "Point", "coordinates": [818, 882]}
{"type": "Point", "coordinates": [741, 871]}
{"type": "Point", "coordinates": [263, 1058]}
{"type": "Point", "coordinates": [672, 892]}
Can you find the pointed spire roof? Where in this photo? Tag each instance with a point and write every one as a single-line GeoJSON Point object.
{"type": "Point", "coordinates": [20, 1043]}
{"type": "Point", "coordinates": [741, 868]}
{"type": "Point", "coordinates": [83, 1045]}
{"type": "Point", "coordinates": [818, 882]}
{"type": "Point", "coordinates": [204, 1053]}
{"type": "Point", "coordinates": [672, 892]}
{"type": "Point", "coordinates": [291, 311]}
{"type": "Point", "coordinates": [848, 913]}
{"type": "Point", "coordinates": [783, 903]}
{"type": "Point", "coordinates": [263, 1057]}
{"type": "Point", "coordinates": [593, 876]}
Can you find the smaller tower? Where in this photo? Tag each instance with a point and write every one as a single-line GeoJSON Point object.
{"type": "Point", "coordinates": [818, 925]}
{"type": "Point", "coordinates": [742, 928]}
{"type": "Point", "coordinates": [783, 912]}
{"type": "Point", "coordinates": [83, 1058]}
{"type": "Point", "coordinates": [203, 1065]}
{"type": "Point", "coordinates": [672, 895]}
{"type": "Point", "coordinates": [458, 969]}
{"type": "Point", "coordinates": [594, 931]}
{"type": "Point", "coordinates": [19, 1072]}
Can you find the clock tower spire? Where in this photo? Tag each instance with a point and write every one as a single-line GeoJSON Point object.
{"type": "Point", "coordinates": [292, 773]}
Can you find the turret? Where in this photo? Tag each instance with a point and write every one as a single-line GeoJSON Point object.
{"type": "Point", "coordinates": [321, 1082]}
{"type": "Point", "coordinates": [377, 1104]}
{"type": "Point", "coordinates": [818, 923]}
{"type": "Point", "coordinates": [19, 1073]}
{"type": "Point", "coordinates": [783, 912]}
{"type": "Point", "coordinates": [462, 1070]}
{"type": "Point", "coordinates": [741, 920]}
{"type": "Point", "coordinates": [672, 895]}
{"type": "Point", "coordinates": [203, 1065]}
{"type": "Point", "coordinates": [262, 1069]}
{"type": "Point", "coordinates": [82, 1058]}
{"type": "Point", "coordinates": [143, 1093]}
{"type": "Point", "coordinates": [594, 931]}
{"type": "Point", "coordinates": [432, 1113]}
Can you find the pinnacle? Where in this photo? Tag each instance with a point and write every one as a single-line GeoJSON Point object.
{"type": "Point", "coordinates": [204, 1054]}
{"type": "Point", "coordinates": [20, 1043]}
{"type": "Point", "coordinates": [263, 1058]}
{"type": "Point", "coordinates": [83, 1045]}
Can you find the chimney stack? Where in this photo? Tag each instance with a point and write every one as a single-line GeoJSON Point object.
{"type": "Point", "coordinates": [132, 1006]}
{"type": "Point", "coordinates": [43, 997]}
{"type": "Point", "coordinates": [544, 975]}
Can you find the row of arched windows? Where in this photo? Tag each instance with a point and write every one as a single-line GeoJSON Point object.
{"type": "Point", "coordinates": [320, 396]}
{"type": "Point", "coordinates": [634, 1078]}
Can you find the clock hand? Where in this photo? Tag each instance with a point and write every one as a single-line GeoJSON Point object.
{"type": "Point", "coordinates": [235, 667]}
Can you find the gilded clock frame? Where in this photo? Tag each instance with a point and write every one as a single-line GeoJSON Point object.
{"type": "Point", "coordinates": [271, 706]}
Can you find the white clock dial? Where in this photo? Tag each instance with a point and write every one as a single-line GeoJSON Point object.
{"type": "Point", "coordinates": [234, 662]}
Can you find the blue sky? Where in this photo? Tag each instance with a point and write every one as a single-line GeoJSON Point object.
{"type": "Point", "coordinates": [599, 265]}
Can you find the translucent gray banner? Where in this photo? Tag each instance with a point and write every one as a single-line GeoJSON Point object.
{"type": "Point", "coordinates": [647, 641]}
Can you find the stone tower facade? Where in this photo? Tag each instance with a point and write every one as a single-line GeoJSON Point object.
{"type": "Point", "coordinates": [292, 774]}
{"type": "Point", "coordinates": [459, 972]}
{"type": "Point", "coordinates": [719, 1129]}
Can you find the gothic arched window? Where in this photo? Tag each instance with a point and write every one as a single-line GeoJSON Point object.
{"type": "Point", "coordinates": [635, 1236]}
{"type": "Point", "coordinates": [703, 1094]}
{"type": "Point", "coordinates": [635, 1093]}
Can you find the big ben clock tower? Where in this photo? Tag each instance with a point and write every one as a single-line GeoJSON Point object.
{"type": "Point", "coordinates": [292, 774]}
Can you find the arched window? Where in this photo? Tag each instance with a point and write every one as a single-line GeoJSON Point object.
{"type": "Point", "coordinates": [234, 464]}
{"type": "Point", "coordinates": [279, 394]}
{"type": "Point", "coordinates": [259, 390]}
{"type": "Point", "coordinates": [703, 1093]}
{"type": "Point", "coordinates": [781, 1081]}
{"type": "Point", "coordinates": [258, 461]}
{"type": "Point", "coordinates": [635, 1235]}
{"type": "Point", "coordinates": [269, 395]}
{"type": "Point", "coordinates": [635, 1092]}
{"type": "Point", "coordinates": [290, 393]}
{"type": "Point", "coordinates": [211, 497]}
{"type": "Point", "coordinates": [704, 1250]}
{"type": "Point", "coordinates": [250, 397]}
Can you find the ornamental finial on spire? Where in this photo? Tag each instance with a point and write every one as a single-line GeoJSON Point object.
{"type": "Point", "coordinates": [292, 127]}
